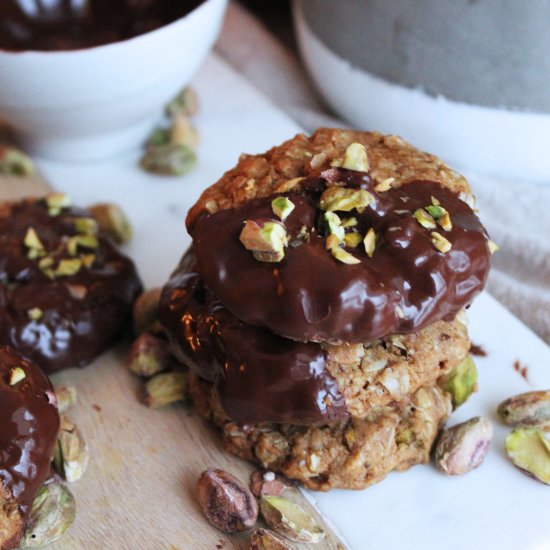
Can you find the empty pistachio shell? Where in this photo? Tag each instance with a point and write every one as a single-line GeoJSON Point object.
{"type": "Point", "coordinates": [71, 454]}
{"type": "Point", "coordinates": [461, 382]}
{"type": "Point", "coordinates": [262, 539]}
{"type": "Point", "coordinates": [113, 221]}
{"type": "Point", "coordinates": [52, 513]}
{"type": "Point", "coordinates": [164, 389]}
{"type": "Point", "coordinates": [66, 398]}
{"type": "Point", "coordinates": [529, 450]}
{"type": "Point", "coordinates": [527, 409]}
{"type": "Point", "coordinates": [290, 520]}
{"type": "Point", "coordinates": [463, 447]}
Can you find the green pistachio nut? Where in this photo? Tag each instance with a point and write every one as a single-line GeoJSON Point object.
{"type": "Point", "coordinates": [52, 513]}
{"type": "Point", "coordinates": [344, 200]}
{"type": "Point", "coordinates": [527, 409]}
{"type": "Point", "coordinates": [461, 382]}
{"type": "Point", "coordinates": [266, 239]}
{"type": "Point", "coordinates": [529, 450]}
{"type": "Point", "coordinates": [355, 158]}
{"type": "Point", "coordinates": [282, 207]}
{"type": "Point", "coordinates": [164, 389]}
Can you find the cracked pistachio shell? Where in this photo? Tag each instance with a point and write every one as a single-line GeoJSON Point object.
{"type": "Point", "coordinates": [290, 520]}
{"type": "Point", "coordinates": [462, 381]}
{"type": "Point", "coordinates": [52, 513]}
{"type": "Point", "coordinates": [529, 450]}
{"type": "Point", "coordinates": [527, 409]}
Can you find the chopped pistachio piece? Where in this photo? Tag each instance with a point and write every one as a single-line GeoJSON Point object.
{"type": "Point", "coordinates": [170, 159]}
{"type": "Point", "coordinates": [335, 225]}
{"type": "Point", "coordinates": [35, 314]}
{"type": "Point", "coordinates": [52, 513]}
{"type": "Point", "coordinates": [349, 222]}
{"type": "Point", "coordinates": [436, 211]}
{"type": "Point", "coordinates": [15, 163]}
{"type": "Point", "coordinates": [529, 450]}
{"type": "Point", "coordinates": [86, 226]}
{"type": "Point", "coordinates": [343, 256]}
{"type": "Point", "coordinates": [16, 375]}
{"type": "Point", "coordinates": [112, 221]}
{"type": "Point", "coordinates": [435, 202]}
{"type": "Point", "coordinates": [440, 242]}
{"type": "Point", "coordinates": [527, 409]}
{"type": "Point", "coordinates": [164, 389]}
{"type": "Point", "coordinates": [290, 520]}
{"type": "Point", "coordinates": [492, 246]}
{"type": "Point", "coordinates": [66, 398]}
{"type": "Point", "coordinates": [461, 382]}
{"type": "Point", "coordinates": [67, 268]}
{"type": "Point", "coordinates": [87, 260]}
{"type": "Point", "coordinates": [56, 202]}
{"type": "Point", "coordinates": [262, 539]}
{"type": "Point", "coordinates": [344, 200]}
{"type": "Point", "coordinates": [149, 355]}
{"type": "Point", "coordinates": [288, 185]}
{"type": "Point", "coordinates": [351, 240]}
{"type": "Point", "coordinates": [355, 158]}
{"type": "Point", "coordinates": [370, 242]}
{"type": "Point", "coordinates": [45, 263]}
{"type": "Point", "coordinates": [445, 222]}
{"type": "Point", "coordinates": [81, 241]}
{"type": "Point", "coordinates": [384, 185]}
{"type": "Point", "coordinates": [32, 241]}
{"type": "Point", "coordinates": [266, 239]}
{"type": "Point", "coordinates": [71, 454]}
{"type": "Point", "coordinates": [424, 219]}
{"type": "Point", "coordinates": [282, 207]}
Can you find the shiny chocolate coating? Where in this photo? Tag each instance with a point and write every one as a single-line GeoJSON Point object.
{"type": "Point", "coordinates": [81, 315]}
{"type": "Point", "coordinates": [259, 376]}
{"type": "Point", "coordinates": [310, 296]}
{"type": "Point", "coordinates": [75, 24]}
{"type": "Point", "coordinates": [29, 426]}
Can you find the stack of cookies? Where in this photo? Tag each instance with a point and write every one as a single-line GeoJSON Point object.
{"type": "Point", "coordinates": [320, 306]}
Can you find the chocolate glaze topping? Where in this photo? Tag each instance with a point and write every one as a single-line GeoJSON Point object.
{"type": "Point", "coordinates": [310, 296]}
{"type": "Point", "coordinates": [259, 376]}
{"type": "Point", "coordinates": [71, 24]}
{"type": "Point", "coordinates": [80, 315]}
{"type": "Point", "coordinates": [29, 426]}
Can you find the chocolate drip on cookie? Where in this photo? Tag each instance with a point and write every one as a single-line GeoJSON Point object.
{"type": "Point", "coordinates": [29, 426]}
{"type": "Point", "coordinates": [259, 376]}
{"type": "Point", "coordinates": [421, 267]}
{"type": "Point", "coordinates": [65, 291]}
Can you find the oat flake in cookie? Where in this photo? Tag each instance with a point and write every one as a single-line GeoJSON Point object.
{"type": "Point", "coordinates": [320, 305]}
{"type": "Point", "coordinates": [66, 292]}
{"type": "Point", "coordinates": [29, 426]}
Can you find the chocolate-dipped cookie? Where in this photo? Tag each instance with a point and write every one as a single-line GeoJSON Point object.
{"type": "Point", "coordinates": [66, 292]}
{"type": "Point", "coordinates": [29, 426]}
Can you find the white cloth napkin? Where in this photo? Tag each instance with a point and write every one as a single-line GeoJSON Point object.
{"type": "Point", "coordinates": [517, 214]}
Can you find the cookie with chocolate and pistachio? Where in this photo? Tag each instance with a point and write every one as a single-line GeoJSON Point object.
{"type": "Point", "coordinates": [29, 426]}
{"type": "Point", "coordinates": [66, 292]}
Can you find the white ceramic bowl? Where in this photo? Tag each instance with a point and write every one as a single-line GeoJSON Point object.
{"type": "Point", "coordinates": [99, 102]}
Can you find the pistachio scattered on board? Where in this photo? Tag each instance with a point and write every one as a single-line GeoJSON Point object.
{"type": "Point", "coordinates": [171, 151]}
{"type": "Point", "coordinates": [66, 398]}
{"type": "Point", "coordinates": [52, 513]}
{"type": "Point", "coordinates": [149, 355]}
{"type": "Point", "coordinates": [290, 520]}
{"type": "Point", "coordinates": [529, 450]}
{"type": "Point", "coordinates": [145, 311]}
{"type": "Point", "coordinates": [461, 382]}
{"type": "Point", "coordinates": [164, 389]}
{"type": "Point", "coordinates": [527, 409]}
{"type": "Point", "coordinates": [226, 502]}
{"type": "Point", "coordinates": [262, 539]}
{"type": "Point", "coordinates": [14, 162]}
{"type": "Point", "coordinates": [463, 447]}
{"type": "Point", "coordinates": [71, 454]}
{"type": "Point", "coordinates": [113, 221]}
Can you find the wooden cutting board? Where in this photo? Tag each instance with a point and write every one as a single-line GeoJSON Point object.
{"type": "Point", "coordinates": [138, 492]}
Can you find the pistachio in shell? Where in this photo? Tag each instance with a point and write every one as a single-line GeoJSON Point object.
{"type": "Point", "coordinates": [461, 382]}
{"type": "Point", "coordinates": [527, 409]}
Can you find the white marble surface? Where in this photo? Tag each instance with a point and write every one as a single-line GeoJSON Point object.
{"type": "Point", "coordinates": [493, 507]}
